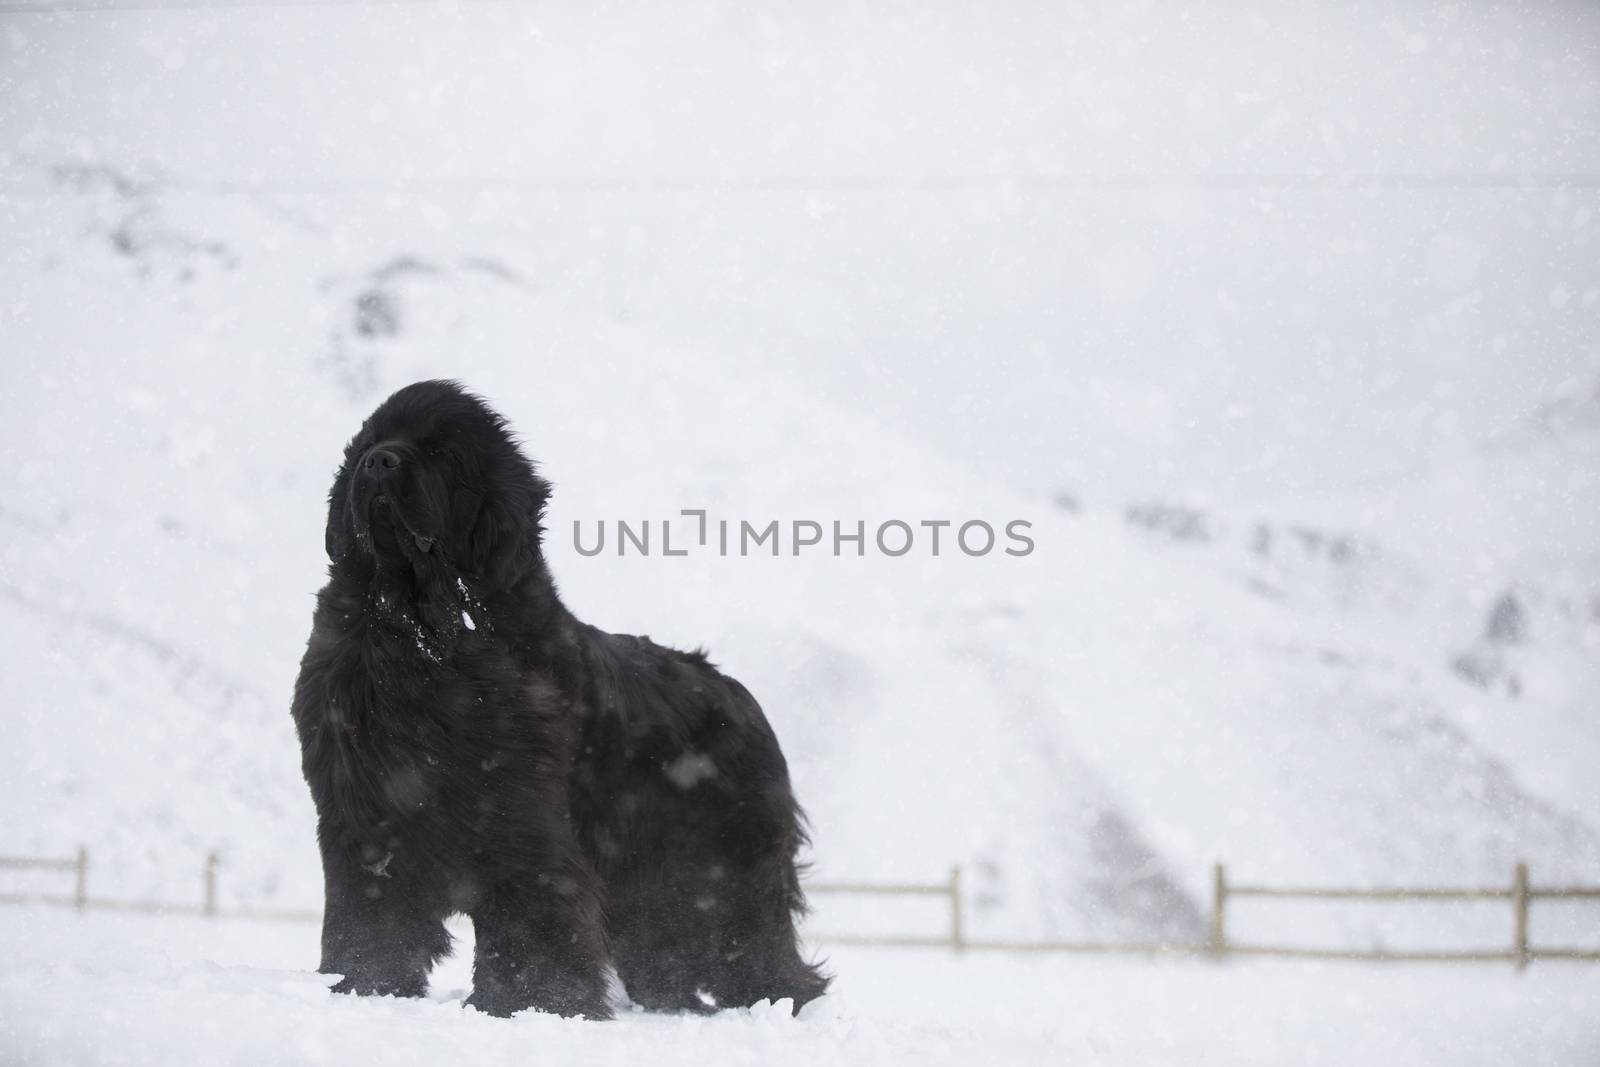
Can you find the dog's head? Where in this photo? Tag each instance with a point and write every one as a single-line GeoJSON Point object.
{"type": "Point", "coordinates": [434, 482]}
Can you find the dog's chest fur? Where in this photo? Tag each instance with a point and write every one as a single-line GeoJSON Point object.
{"type": "Point", "coordinates": [427, 732]}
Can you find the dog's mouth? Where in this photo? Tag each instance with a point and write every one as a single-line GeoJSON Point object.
{"type": "Point", "coordinates": [382, 523]}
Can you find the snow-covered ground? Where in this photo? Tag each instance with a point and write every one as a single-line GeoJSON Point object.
{"type": "Point", "coordinates": [137, 990]}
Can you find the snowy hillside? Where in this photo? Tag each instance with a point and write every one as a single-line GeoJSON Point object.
{"type": "Point", "coordinates": [1313, 690]}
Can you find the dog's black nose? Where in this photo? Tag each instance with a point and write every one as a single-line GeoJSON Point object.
{"type": "Point", "coordinates": [380, 458]}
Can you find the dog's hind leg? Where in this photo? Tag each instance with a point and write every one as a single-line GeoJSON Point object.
{"type": "Point", "coordinates": [759, 956]}
{"type": "Point", "coordinates": [706, 937]}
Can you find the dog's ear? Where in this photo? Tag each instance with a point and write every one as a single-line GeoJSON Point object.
{"type": "Point", "coordinates": [504, 545]}
{"type": "Point", "coordinates": [336, 537]}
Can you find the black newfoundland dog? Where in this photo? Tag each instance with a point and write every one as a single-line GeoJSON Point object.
{"type": "Point", "coordinates": [472, 747]}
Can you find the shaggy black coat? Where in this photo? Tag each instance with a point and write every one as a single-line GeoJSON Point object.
{"type": "Point", "coordinates": [472, 747]}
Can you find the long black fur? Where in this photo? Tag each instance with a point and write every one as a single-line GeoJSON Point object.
{"type": "Point", "coordinates": [472, 747]}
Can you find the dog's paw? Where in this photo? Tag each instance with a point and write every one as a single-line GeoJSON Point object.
{"type": "Point", "coordinates": [377, 987]}
{"type": "Point", "coordinates": [496, 1006]}
{"type": "Point", "coordinates": [504, 1006]}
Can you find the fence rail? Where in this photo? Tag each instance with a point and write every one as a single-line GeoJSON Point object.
{"type": "Point", "coordinates": [1521, 894]}
{"type": "Point", "coordinates": [78, 865]}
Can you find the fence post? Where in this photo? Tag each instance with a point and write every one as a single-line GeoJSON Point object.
{"type": "Point", "coordinates": [1519, 901]}
{"type": "Point", "coordinates": [211, 883]}
{"type": "Point", "coordinates": [80, 891]}
{"type": "Point", "coordinates": [1217, 944]}
{"type": "Point", "coordinates": [958, 939]}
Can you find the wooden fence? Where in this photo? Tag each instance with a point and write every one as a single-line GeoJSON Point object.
{"type": "Point", "coordinates": [1521, 894]}
{"type": "Point", "coordinates": [78, 865]}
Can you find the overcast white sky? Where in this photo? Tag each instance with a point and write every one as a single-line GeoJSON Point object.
{"type": "Point", "coordinates": [1167, 297]}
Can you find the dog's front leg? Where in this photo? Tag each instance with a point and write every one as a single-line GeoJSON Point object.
{"type": "Point", "coordinates": [382, 928]}
{"type": "Point", "coordinates": [541, 944]}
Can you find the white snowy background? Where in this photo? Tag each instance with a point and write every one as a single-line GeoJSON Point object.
{"type": "Point", "coordinates": [1281, 326]}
